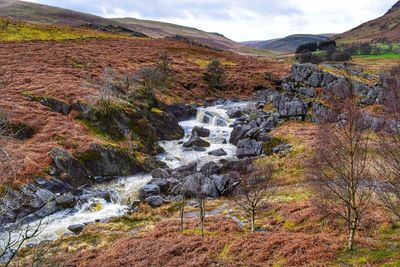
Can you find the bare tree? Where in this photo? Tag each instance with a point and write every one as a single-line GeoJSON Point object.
{"type": "Point", "coordinates": [388, 167]}
{"type": "Point", "coordinates": [197, 187]}
{"type": "Point", "coordinates": [254, 191]}
{"type": "Point", "coordinates": [339, 169]}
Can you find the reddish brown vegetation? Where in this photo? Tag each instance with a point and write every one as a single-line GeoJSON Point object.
{"type": "Point", "coordinates": [165, 246]}
{"type": "Point", "coordinates": [59, 70]}
{"type": "Point", "coordinates": [291, 249]}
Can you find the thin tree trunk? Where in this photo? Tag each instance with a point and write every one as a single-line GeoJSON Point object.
{"type": "Point", "coordinates": [253, 221]}
{"type": "Point", "coordinates": [352, 233]}
{"type": "Point", "coordinates": [182, 213]}
{"type": "Point", "coordinates": [202, 215]}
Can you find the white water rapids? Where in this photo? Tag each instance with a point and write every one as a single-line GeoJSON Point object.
{"type": "Point", "coordinates": [127, 188]}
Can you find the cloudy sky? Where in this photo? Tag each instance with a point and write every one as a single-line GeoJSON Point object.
{"type": "Point", "coordinates": [242, 20]}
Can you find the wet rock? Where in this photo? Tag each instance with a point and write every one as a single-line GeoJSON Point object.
{"type": "Point", "coordinates": [76, 228]}
{"type": "Point", "coordinates": [248, 148]}
{"type": "Point", "coordinates": [66, 201]}
{"type": "Point", "coordinates": [198, 148]}
{"type": "Point", "coordinates": [181, 112]}
{"type": "Point", "coordinates": [160, 173]}
{"type": "Point", "coordinates": [196, 141]}
{"type": "Point", "coordinates": [149, 190]}
{"type": "Point", "coordinates": [154, 201]}
{"type": "Point", "coordinates": [166, 126]}
{"type": "Point", "coordinates": [218, 153]}
{"type": "Point", "coordinates": [238, 133]}
{"type": "Point", "coordinates": [210, 169]}
{"type": "Point", "coordinates": [234, 113]}
{"type": "Point", "coordinates": [200, 131]}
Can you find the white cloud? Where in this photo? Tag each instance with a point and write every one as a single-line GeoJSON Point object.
{"type": "Point", "coordinates": [242, 20]}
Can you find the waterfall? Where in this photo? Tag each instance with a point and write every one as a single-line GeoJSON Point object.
{"type": "Point", "coordinates": [210, 118]}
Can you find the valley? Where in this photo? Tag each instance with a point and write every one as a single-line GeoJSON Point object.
{"type": "Point", "coordinates": [133, 142]}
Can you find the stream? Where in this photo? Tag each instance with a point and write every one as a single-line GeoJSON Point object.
{"type": "Point", "coordinates": [126, 189]}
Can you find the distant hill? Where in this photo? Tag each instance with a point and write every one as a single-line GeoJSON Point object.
{"type": "Point", "coordinates": [43, 14]}
{"type": "Point", "coordinates": [158, 29]}
{"type": "Point", "coordinates": [386, 28]}
{"type": "Point", "coordinates": [289, 43]}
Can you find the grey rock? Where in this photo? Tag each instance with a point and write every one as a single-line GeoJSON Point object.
{"type": "Point", "coordinates": [196, 141]}
{"type": "Point", "coordinates": [149, 190]}
{"type": "Point", "coordinates": [239, 133]}
{"type": "Point", "coordinates": [210, 168]}
{"type": "Point", "coordinates": [226, 183]}
{"type": "Point", "coordinates": [163, 184]}
{"type": "Point", "coordinates": [249, 148]}
{"type": "Point", "coordinates": [76, 228]}
{"type": "Point", "coordinates": [185, 171]}
{"type": "Point", "coordinates": [200, 131]}
{"type": "Point", "coordinates": [218, 153]}
{"type": "Point", "coordinates": [160, 173]}
{"type": "Point", "coordinates": [56, 105]}
{"type": "Point", "coordinates": [282, 149]}
{"type": "Point", "coordinates": [154, 201]}
{"type": "Point", "coordinates": [234, 113]}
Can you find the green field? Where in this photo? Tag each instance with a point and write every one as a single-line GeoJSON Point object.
{"type": "Point", "coordinates": [383, 56]}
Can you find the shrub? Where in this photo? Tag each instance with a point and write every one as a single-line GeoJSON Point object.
{"type": "Point", "coordinates": [341, 56]}
{"type": "Point", "coordinates": [325, 45]}
{"type": "Point", "coordinates": [215, 76]}
{"type": "Point", "coordinates": [311, 47]}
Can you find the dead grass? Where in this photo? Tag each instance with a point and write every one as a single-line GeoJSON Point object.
{"type": "Point", "coordinates": [60, 70]}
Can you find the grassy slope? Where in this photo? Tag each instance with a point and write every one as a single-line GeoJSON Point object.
{"type": "Point", "coordinates": [20, 31]}
{"type": "Point", "coordinates": [387, 26]}
{"type": "Point", "coordinates": [36, 13]}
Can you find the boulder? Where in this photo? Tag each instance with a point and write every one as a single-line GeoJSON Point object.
{"type": "Point", "coordinates": [65, 165]}
{"type": "Point", "coordinates": [199, 184]}
{"type": "Point", "coordinates": [66, 201]}
{"type": "Point", "coordinates": [105, 160]}
{"type": "Point", "coordinates": [185, 171]}
{"type": "Point", "coordinates": [160, 173]}
{"type": "Point", "coordinates": [249, 148]}
{"type": "Point", "coordinates": [149, 190]}
{"type": "Point", "coordinates": [218, 153]}
{"type": "Point", "coordinates": [166, 126]}
{"type": "Point", "coordinates": [234, 113]}
{"type": "Point", "coordinates": [238, 133]}
{"type": "Point", "coordinates": [210, 169]}
{"type": "Point", "coordinates": [154, 201]}
{"type": "Point", "coordinates": [200, 131]}
{"type": "Point", "coordinates": [162, 184]}
{"type": "Point", "coordinates": [241, 166]}
{"type": "Point", "coordinates": [226, 183]}
{"type": "Point", "coordinates": [181, 112]}
{"type": "Point", "coordinates": [198, 148]}
{"type": "Point", "coordinates": [56, 105]}
{"type": "Point", "coordinates": [76, 228]}
{"type": "Point", "coordinates": [196, 141]}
